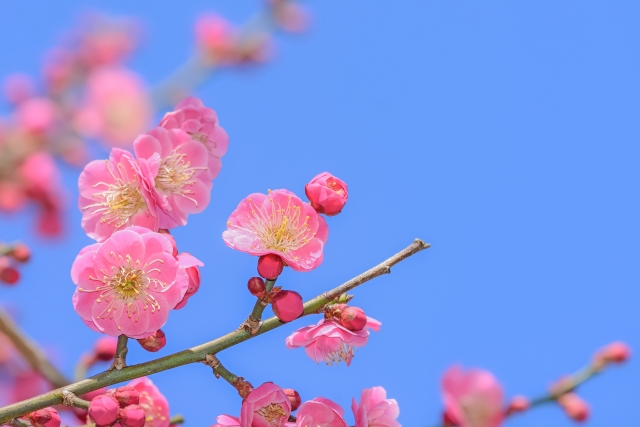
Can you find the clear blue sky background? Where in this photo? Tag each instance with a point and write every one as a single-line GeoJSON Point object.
{"type": "Point", "coordinates": [505, 133]}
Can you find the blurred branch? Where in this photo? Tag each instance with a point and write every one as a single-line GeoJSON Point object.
{"type": "Point", "coordinates": [31, 352]}
{"type": "Point", "coordinates": [199, 353]}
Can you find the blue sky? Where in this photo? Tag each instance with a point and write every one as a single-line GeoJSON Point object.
{"type": "Point", "coordinates": [504, 133]}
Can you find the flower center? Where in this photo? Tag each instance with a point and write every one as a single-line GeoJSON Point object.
{"type": "Point", "coordinates": [273, 413]}
{"type": "Point", "coordinates": [344, 354]}
{"type": "Point", "coordinates": [120, 201]}
{"type": "Point", "coordinates": [335, 186]}
{"type": "Point", "coordinates": [175, 174]}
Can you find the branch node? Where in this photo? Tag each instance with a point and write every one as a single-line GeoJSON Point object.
{"type": "Point", "coordinates": [67, 398]}
{"type": "Point", "coordinates": [120, 358]}
{"type": "Point", "coordinates": [251, 325]}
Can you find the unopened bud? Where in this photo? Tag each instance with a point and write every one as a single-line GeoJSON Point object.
{"type": "Point", "coordinates": [103, 410]}
{"type": "Point", "coordinates": [21, 253]}
{"type": "Point", "coordinates": [126, 395]}
{"type": "Point", "coordinates": [132, 416]}
{"type": "Point", "coordinates": [616, 352]}
{"type": "Point", "coordinates": [294, 398]}
{"type": "Point", "coordinates": [154, 342]}
{"type": "Point", "coordinates": [256, 287]}
{"type": "Point", "coordinates": [9, 275]}
{"type": "Point", "coordinates": [575, 408]}
{"type": "Point", "coordinates": [270, 266]}
{"type": "Point", "coordinates": [47, 417]}
{"type": "Point", "coordinates": [353, 318]}
{"type": "Point", "coordinates": [287, 305]}
{"type": "Point", "coordinates": [105, 348]}
{"type": "Point", "coordinates": [518, 404]}
{"type": "Point", "coordinates": [327, 194]}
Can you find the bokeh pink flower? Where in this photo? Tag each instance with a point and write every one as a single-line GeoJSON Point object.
{"type": "Point", "coordinates": [375, 409]}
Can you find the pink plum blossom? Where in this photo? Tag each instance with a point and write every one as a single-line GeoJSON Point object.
{"type": "Point", "coordinates": [215, 37]}
{"type": "Point", "coordinates": [37, 115]}
{"type": "Point", "coordinates": [375, 410]}
{"type": "Point", "coordinates": [177, 167]}
{"type": "Point", "coordinates": [18, 87]}
{"type": "Point", "coordinates": [201, 123]}
{"type": "Point", "coordinates": [320, 412]}
{"type": "Point", "coordinates": [116, 107]}
{"type": "Point", "coordinates": [327, 194]}
{"type": "Point", "coordinates": [227, 421]}
{"type": "Point", "coordinates": [155, 405]}
{"type": "Point", "coordinates": [189, 264]}
{"type": "Point", "coordinates": [472, 398]}
{"type": "Point", "coordinates": [331, 342]}
{"type": "Point", "coordinates": [278, 223]}
{"type": "Point", "coordinates": [114, 195]}
{"type": "Point", "coordinates": [128, 284]}
{"type": "Point", "coordinates": [265, 406]}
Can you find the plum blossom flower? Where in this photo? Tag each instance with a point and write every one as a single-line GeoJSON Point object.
{"type": "Point", "coordinates": [327, 194]}
{"type": "Point", "coordinates": [113, 195]}
{"type": "Point", "coordinates": [331, 342]}
{"type": "Point", "coordinates": [128, 284]}
{"type": "Point", "coordinates": [155, 405]}
{"type": "Point", "coordinates": [375, 409]}
{"type": "Point", "coordinates": [201, 123]}
{"type": "Point", "coordinates": [215, 37]}
{"type": "Point", "coordinates": [226, 421]}
{"type": "Point", "coordinates": [189, 264]}
{"type": "Point", "coordinates": [265, 406]}
{"type": "Point", "coordinates": [320, 412]}
{"type": "Point", "coordinates": [472, 398]}
{"type": "Point", "coordinates": [281, 224]}
{"type": "Point", "coordinates": [177, 167]}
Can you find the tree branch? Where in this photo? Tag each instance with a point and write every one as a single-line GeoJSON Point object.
{"type": "Point", "coordinates": [31, 352]}
{"type": "Point", "coordinates": [252, 324]}
{"type": "Point", "coordinates": [120, 358]}
{"type": "Point", "coordinates": [198, 353]}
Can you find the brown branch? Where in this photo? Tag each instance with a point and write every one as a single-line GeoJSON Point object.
{"type": "Point", "coordinates": [31, 352]}
{"type": "Point", "coordinates": [199, 353]}
{"type": "Point", "coordinates": [120, 358]}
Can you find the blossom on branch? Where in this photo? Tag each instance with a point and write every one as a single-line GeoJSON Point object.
{"type": "Point", "coordinates": [375, 409]}
{"type": "Point", "coordinates": [331, 342]}
{"type": "Point", "coordinates": [265, 406]}
{"type": "Point", "coordinates": [227, 421]}
{"type": "Point", "coordinates": [153, 403]}
{"type": "Point", "coordinates": [128, 284]}
{"type": "Point", "coordinates": [327, 194]}
{"type": "Point", "coordinates": [278, 223]}
{"type": "Point", "coordinates": [320, 412]}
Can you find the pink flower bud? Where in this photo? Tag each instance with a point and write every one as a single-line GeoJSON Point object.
{"type": "Point", "coordinates": [9, 275]}
{"type": "Point", "coordinates": [256, 287]}
{"type": "Point", "coordinates": [103, 410]}
{"type": "Point", "coordinates": [287, 305]}
{"type": "Point", "coordinates": [294, 398]}
{"type": "Point", "coordinates": [21, 253]}
{"type": "Point", "coordinates": [126, 395]}
{"type": "Point", "coordinates": [47, 417]}
{"type": "Point", "coordinates": [132, 416]}
{"type": "Point", "coordinates": [270, 266]}
{"type": "Point", "coordinates": [105, 348]}
{"type": "Point", "coordinates": [518, 404]}
{"type": "Point", "coordinates": [327, 194]}
{"type": "Point", "coordinates": [575, 408]}
{"type": "Point", "coordinates": [616, 352]}
{"type": "Point", "coordinates": [353, 318]}
{"type": "Point", "coordinates": [154, 342]}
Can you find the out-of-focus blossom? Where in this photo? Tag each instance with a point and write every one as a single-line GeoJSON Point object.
{"type": "Point", "coordinates": [265, 406]}
{"type": "Point", "coordinates": [375, 409]}
{"type": "Point", "coordinates": [189, 265]}
{"type": "Point", "coordinates": [113, 195]}
{"type": "Point", "coordinates": [281, 224]}
{"type": "Point", "coordinates": [37, 115]}
{"type": "Point", "coordinates": [574, 406]}
{"type": "Point", "coordinates": [59, 69]}
{"type": "Point", "coordinates": [226, 421]}
{"type": "Point", "coordinates": [18, 87]}
{"type": "Point", "coordinates": [155, 405]}
{"type": "Point", "coordinates": [103, 41]}
{"type": "Point", "coordinates": [27, 384]}
{"type": "Point", "coordinates": [215, 37]}
{"type": "Point", "coordinates": [201, 123]}
{"type": "Point", "coordinates": [327, 194]}
{"type": "Point", "coordinates": [472, 398]}
{"type": "Point", "coordinates": [177, 167]}
{"type": "Point", "coordinates": [290, 15]}
{"type": "Point", "coordinates": [320, 412]}
{"type": "Point", "coordinates": [331, 342]}
{"type": "Point", "coordinates": [116, 106]}
{"type": "Point", "coordinates": [616, 352]}
{"type": "Point", "coordinates": [128, 284]}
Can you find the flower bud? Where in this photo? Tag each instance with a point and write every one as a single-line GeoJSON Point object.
{"type": "Point", "coordinates": [105, 348]}
{"type": "Point", "coordinates": [132, 416]}
{"type": "Point", "coordinates": [327, 194]}
{"type": "Point", "coordinates": [353, 318]}
{"type": "Point", "coordinates": [9, 275]}
{"type": "Point", "coordinates": [103, 410]}
{"type": "Point", "coordinates": [518, 404]}
{"type": "Point", "coordinates": [294, 398]}
{"type": "Point", "coordinates": [21, 253]}
{"type": "Point", "coordinates": [126, 395]}
{"type": "Point", "coordinates": [256, 287]}
{"type": "Point", "coordinates": [154, 342]}
{"type": "Point", "coordinates": [616, 352]}
{"type": "Point", "coordinates": [270, 266]}
{"type": "Point", "coordinates": [575, 408]}
{"type": "Point", "coordinates": [47, 417]}
{"type": "Point", "coordinates": [287, 305]}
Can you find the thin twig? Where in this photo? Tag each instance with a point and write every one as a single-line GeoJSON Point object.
{"type": "Point", "coordinates": [252, 324]}
{"type": "Point", "coordinates": [198, 353]}
{"type": "Point", "coordinates": [176, 419]}
{"type": "Point", "coordinates": [120, 358]}
{"type": "Point", "coordinates": [31, 352]}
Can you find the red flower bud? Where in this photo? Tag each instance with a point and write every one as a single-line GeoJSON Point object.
{"type": "Point", "coordinates": [132, 416]}
{"type": "Point", "coordinates": [9, 275]}
{"type": "Point", "coordinates": [103, 410]}
{"type": "Point", "coordinates": [154, 342]}
{"type": "Point", "coordinates": [574, 406]}
{"type": "Point", "coordinates": [518, 404]}
{"type": "Point", "coordinates": [616, 352]}
{"type": "Point", "coordinates": [21, 253]}
{"type": "Point", "coordinates": [294, 398]}
{"type": "Point", "coordinates": [353, 318]}
{"type": "Point", "coordinates": [270, 266]}
{"type": "Point", "coordinates": [105, 348]}
{"type": "Point", "coordinates": [126, 395]}
{"type": "Point", "coordinates": [327, 194]}
{"type": "Point", "coordinates": [256, 287]}
{"type": "Point", "coordinates": [287, 305]}
{"type": "Point", "coordinates": [47, 417]}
